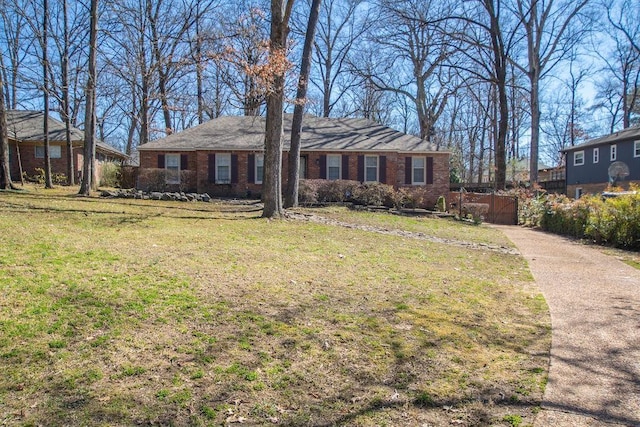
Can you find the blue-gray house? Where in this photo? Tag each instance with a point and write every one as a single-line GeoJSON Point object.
{"type": "Point", "coordinates": [609, 160]}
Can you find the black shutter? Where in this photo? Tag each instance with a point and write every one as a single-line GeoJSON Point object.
{"type": "Point", "coordinates": [161, 161]}
{"type": "Point", "coordinates": [323, 166]}
{"type": "Point", "coordinates": [383, 169]}
{"type": "Point", "coordinates": [345, 166]}
{"type": "Point", "coordinates": [212, 168]}
{"type": "Point", "coordinates": [251, 168]}
{"type": "Point", "coordinates": [429, 170]}
{"type": "Point", "coordinates": [408, 170]}
{"type": "Point", "coordinates": [234, 168]}
{"type": "Point", "coordinates": [184, 162]}
{"type": "Point", "coordinates": [361, 168]}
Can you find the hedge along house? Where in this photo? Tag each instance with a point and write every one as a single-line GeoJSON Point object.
{"type": "Point", "coordinates": [609, 160]}
{"type": "Point", "coordinates": [26, 146]}
{"type": "Point", "coordinates": [224, 157]}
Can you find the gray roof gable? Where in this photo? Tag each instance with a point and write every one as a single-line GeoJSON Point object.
{"type": "Point", "coordinates": [318, 134]}
{"type": "Point", "coordinates": [28, 126]}
{"type": "Point", "coordinates": [628, 134]}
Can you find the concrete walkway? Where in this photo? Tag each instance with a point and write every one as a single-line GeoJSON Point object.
{"type": "Point", "coordinates": [594, 299]}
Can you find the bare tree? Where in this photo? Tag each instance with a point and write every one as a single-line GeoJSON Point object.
{"type": "Point", "coordinates": [272, 187]}
{"type": "Point", "coordinates": [5, 169]}
{"type": "Point", "coordinates": [341, 25]}
{"type": "Point", "coordinates": [48, 182]}
{"type": "Point", "coordinates": [413, 34]}
{"type": "Point", "coordinates": [622, 64]}
{"type": "Point", "coordinates": [291, 196]}
{"type": "Point", "coordinates": [551, 32]}
{"type": "Point", "coordinates": [88, 183]}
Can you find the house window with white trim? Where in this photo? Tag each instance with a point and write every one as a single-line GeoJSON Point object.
{"type": "Point", "coordinates": [172, 168]}
{"type": "Point", "coordinates": [259, 168]}
{"type": "Point", "coordinates": [371, 168]}
{"type": "Point", "coordinates": [596, 155]}
{"type": "Point", "coordinates": [578, 158]}
{"type": "Point", "coordinates": [55, 151]}
{"type": "Point", "coordinates": [334, 166]}
{"type": "Point", "coordinates": [614, 152]}
{"type": "Point", "coordinates": [636, 149]}
{"type": "Point", "coordinates": [418, 170]}
{"type": "Point", "coordinates": [223, 168]}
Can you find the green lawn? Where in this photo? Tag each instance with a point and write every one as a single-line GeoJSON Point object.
{"type": "Point", "coordinates": [118, 312]}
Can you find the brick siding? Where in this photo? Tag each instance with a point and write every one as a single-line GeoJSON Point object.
{"type": "Point", "coordinates": [198, 161]}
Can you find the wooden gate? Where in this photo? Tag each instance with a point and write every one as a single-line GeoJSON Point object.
{"type": "Point", "coordinates": [502, 209]}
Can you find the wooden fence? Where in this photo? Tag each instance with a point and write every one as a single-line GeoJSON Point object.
{"type": "Point", "coordinates": [502, 209]}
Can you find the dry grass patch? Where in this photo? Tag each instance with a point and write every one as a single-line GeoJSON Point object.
{"type": "Point", "coordinates": [139, 312]}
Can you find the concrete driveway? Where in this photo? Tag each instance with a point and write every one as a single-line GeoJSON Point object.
{"type": "Point", "coordinates": [594, 299]}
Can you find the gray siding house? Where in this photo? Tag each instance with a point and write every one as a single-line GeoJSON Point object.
{"type": "Point", "coordinates": [609, 160]}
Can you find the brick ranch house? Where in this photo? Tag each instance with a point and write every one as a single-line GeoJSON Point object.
{"type": "Point", "coordinates": [224, 157]}
{"type": "Point", "coordinates": [26, 145]}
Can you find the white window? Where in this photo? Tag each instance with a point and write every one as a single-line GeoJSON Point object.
{"type": "Point", "coordinates": [223, 168]}
{"type": "Point", "coordinates": [370, 168]}
{"type": "Point", "coordinates": [636, 149]}
{"type": "Point", "coordinates": [418, 170]}
{"type": "Point", "coordinates": [259, 172]}
{"type": "Point", "coordinates": [596, 155]}
{"type": "Point", "coordinates": [614, 152]}
{"type": "Point", "coordinates": [334, 166]}
{"type": "Point", "coordinates": [55, 151]}
{"type": "Point", "coordinates": [578, 158]}
{"type": "Point", "coordinates": [172, 167]}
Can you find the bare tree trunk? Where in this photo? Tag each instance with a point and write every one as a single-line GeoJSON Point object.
{"type": "Point", "coordinates": [5, 169]}
{"type": "Point", "coordinates": [90, 118]}
{"type": "Point", "coordinates": [272, 183]}
{"type": "Point", "coordinates": [291, 197]}
{"type": "Point", "coordinates": [48, 182]}
{"type": "Point", "coordinates": [65, 95]}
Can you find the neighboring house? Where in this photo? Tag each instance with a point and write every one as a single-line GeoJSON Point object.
{"type": "Point", "coordinates": [224, 156]}
{"type": "Point", "coordinates": [26, 145]}
{"type": "Point", "coordinates": [609, 160]}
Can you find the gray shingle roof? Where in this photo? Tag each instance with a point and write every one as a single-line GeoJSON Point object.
{"type": "Point", "coordinates": [318, 134]}
{"type": "Point", "coordinates": [27, 126]}
{"type": "Point", "coordinates": [631, 133]}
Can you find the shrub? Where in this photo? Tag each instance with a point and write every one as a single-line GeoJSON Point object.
{"type": "Point", "coordinates": [110, 174]}
{"type": "Point", "coordinates": [152, 180]}
{"type": "Point", "coordinates": [411, 197]}
{"type": "Point", "coordinates": [308, 191]}
{"type": "Point", "coordinates": [476, 211]}
{"type": "Point", "coordinates": [335, 191]}
{"type": "Point", "coordinates": [441, 204]}
{"type": "Point", "coordinates": [614, 221]}
{"type": "Point", "coordinates": [39, 178]}
{"type": "Point", "coordinates": [374, 194]}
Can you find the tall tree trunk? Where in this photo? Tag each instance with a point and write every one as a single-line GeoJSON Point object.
{"type": "Point", "coordinates": [291, 197]}
{"type": "Point", "coordinates": [90, 117]}
{"type": "Point", "coordinates": [272, 183]}
{"type": "Point", "coordinates": [48, 182]}
{"type": "Point", "coordinates": [65, 95]}
{"type": "Point", "coordinates": [5, 168]}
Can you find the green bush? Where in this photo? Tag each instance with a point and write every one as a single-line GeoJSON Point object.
{"type": "Point", "coordinates": [614, 221]}
{"type": "Point", "coordinates": [109, 175]}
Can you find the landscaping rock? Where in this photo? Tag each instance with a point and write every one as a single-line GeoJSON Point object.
{"type": "Point", "coordinates": [156, 195]}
